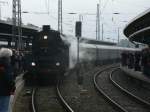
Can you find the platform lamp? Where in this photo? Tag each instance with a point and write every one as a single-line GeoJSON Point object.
{"type": "Point", "coordinates": [78, 33]}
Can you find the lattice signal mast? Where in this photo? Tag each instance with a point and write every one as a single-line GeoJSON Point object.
{"type": "Point", "coordinates": [60, 27]}
{"type": "Point", "coordinates": [17, 27]}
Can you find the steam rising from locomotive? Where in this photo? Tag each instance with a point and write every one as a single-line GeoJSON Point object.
{"type": "Point", "coordinates": [72, 49]}
{"type": "Point", "coordinates": [83, 53]}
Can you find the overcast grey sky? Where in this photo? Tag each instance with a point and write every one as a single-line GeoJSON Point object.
{"type": "Point", "coordinates": [128, 9]}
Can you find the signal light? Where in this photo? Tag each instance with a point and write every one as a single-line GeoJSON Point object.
{"type": "Point", "coordinates": [78, 29]}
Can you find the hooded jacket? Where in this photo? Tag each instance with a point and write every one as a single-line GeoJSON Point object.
{"type": "Point", "coordinates": [7, 85]}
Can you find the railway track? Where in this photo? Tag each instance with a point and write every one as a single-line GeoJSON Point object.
{"type": "Point", "coordinates": [49, 99]}
{"type": "Point", "coordinates": [124, 102]}
{"type": "Point", "coordinates": [124, 89]}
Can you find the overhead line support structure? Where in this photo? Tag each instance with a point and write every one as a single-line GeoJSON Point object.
{"type": "Point", "coordinates": [17, 24]}
{"type": "Point", "coordinates": [60, 27]}
{"type": "Point", "coordinates": [98, 23]}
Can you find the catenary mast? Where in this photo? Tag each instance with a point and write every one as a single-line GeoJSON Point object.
{"type": "Point", "coordinates": [60, 27]}
{"type": "Point", "coordinates": [17, 27]}
{"type": "Point", "coordinates": [98, 23]}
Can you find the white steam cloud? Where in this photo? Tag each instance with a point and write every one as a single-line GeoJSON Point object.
{"type": "Point", "coordinates": [87, 51]}
{"type": "Point", "coordinates": [72, 50]}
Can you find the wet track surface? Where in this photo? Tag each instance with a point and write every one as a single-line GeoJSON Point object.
{"type": "Point", "coordinates": [125, 101]}
{"type": "Point", "coordinates": [136, 87]}
{"type": "Point", "coordinates": [47, 100]}
{"type": "Point", "coordinates": [85, 98]}
{"type": "Point", "coordinates": [23, 102]}
{"type": "Point", "coordinates": [88, 101]}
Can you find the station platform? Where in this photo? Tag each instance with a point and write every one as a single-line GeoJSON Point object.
{"type": "Point", "coordinates": [136, 74]}
{"type": "Point", "coordinates": [19, 85]}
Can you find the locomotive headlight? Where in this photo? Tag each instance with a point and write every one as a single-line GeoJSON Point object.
{"type": "Point", "coordinates": [33, 64]}
{"type": "Point", "coordinates": [45, 37]}
{"type": "Point", "coordinates": [57, 64]}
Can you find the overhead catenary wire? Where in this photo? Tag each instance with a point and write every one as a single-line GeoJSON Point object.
{"type": "Point", "coordinates": [47, 5]}
{"type": "Point", "coordinates": [135, 5]}
{"type": "Point", "coordinates": [55, 18]}
{"type": "Point", "coordinates": [106, 3]}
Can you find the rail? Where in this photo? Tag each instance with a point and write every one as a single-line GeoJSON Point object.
{"type": "Point", "coordinates": [63, 102]}
{"type": "Point", "coordinates": [126, 91]}
{"type": "Point", "coordinates": [103, 93]}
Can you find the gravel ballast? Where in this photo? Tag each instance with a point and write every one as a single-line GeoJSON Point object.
{"type": "Point", "coordinates": [84, 98]}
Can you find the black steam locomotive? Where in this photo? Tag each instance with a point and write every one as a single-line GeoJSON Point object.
{"type": "Point", "coordinates": [49, 55]}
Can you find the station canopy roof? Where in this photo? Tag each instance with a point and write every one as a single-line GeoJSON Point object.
{"type": "Point", "coordinates": [138, 29]}
{"type": "Point", "coordinates": [6, 30]}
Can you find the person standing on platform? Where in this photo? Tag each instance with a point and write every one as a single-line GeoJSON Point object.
{"type": "Point", "coordinates": [15, 63]}
{"type": "Point", "coordinates": [124, 58]}
{"type": "Point", "coordinates": [143, 59]}
{"type": "Point", "coordinates": [7, 85]}
{"type": "Point", "coordinates": [131, 60]}
{"type": "Point", "coordinates": [137, 61]}
{"type": "Point", "coordinates": [146, 62]}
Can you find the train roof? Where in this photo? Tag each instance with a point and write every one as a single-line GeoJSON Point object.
{"type": "Point", "coordinates": [87, 41]}
{"type": "Point", "coordinates": [109, 47]}
{"type": "Point", "coordinates": [93, 41]}
{"type": "Point", "coordinates": [71, 38]}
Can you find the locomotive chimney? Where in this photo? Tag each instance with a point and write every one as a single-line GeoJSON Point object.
{"type": "Point", "coordinates": [46, 27]}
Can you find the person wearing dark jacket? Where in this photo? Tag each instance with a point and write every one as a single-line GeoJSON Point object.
{"type": "Point", "coordinates": [130, 60]}
{"type": "Point", "coordinates": [7, 85]}
{"type": "Point", "coordinates": [146, 61]}
{"type": "Point", "coordinates": [137, 61]}
{"type": "Point", "coordinates": [124, 58]}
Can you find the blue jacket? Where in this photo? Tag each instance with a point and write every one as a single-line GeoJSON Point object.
{"type": "Point", "coordinates": [7, 84]}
